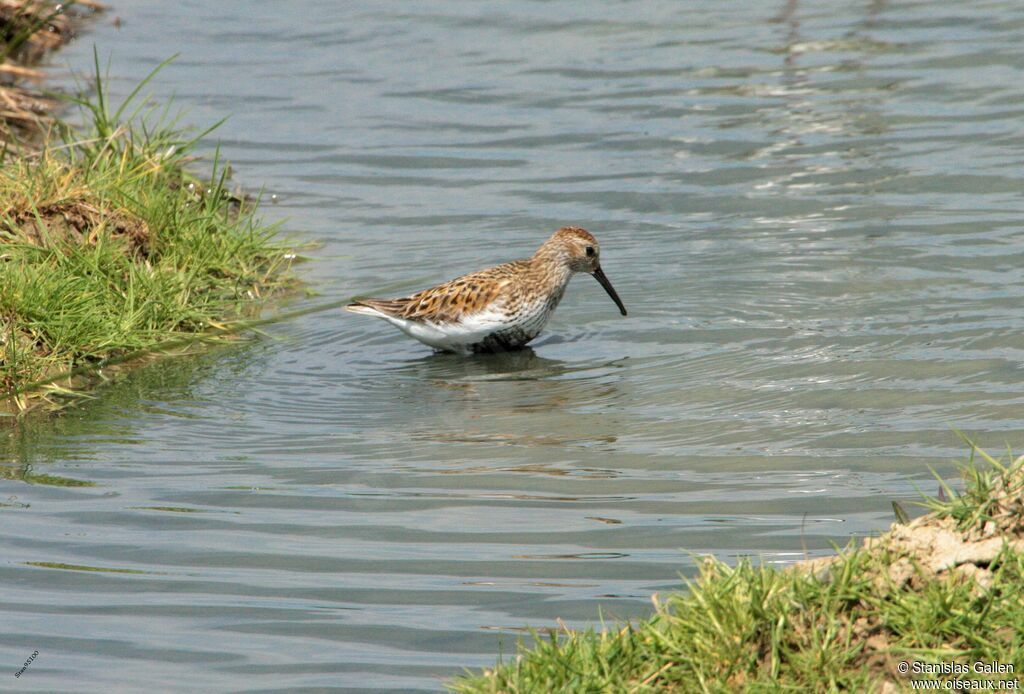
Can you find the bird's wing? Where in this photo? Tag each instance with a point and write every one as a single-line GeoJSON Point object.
{"type": "Point", "coordinates": [450, 302]}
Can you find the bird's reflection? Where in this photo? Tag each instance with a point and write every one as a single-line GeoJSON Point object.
{"type": "Point", "coordinates": [515, 398]}
{"type": "Point", "coordinates": [510, 365]}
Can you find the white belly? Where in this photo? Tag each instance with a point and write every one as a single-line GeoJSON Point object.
{"type": "Point", "coordinates": [485, 331]}
{"type": "Point", "coordinates": [494, 328]}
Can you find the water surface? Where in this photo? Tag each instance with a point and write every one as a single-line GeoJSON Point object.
{"type": "Point", "coordinates": [811, 210]}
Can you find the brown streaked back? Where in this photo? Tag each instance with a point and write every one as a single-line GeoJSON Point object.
{"type": "Point", "coordinates": [452, 301]}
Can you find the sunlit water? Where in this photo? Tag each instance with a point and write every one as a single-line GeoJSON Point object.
{"type": "Point", "coordinates": [812, 212]}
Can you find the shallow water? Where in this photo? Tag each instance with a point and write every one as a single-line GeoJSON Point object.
{"type": "Point", "coordinates": [811, 212]}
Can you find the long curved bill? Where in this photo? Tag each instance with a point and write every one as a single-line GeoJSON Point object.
{"type": "Point", "coordinates": [599, 276]}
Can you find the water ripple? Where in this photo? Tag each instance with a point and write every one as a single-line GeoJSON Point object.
{"type": "Point", "coordinates": [812, 213]}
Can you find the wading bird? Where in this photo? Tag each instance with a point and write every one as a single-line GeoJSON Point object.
{"type": "Point", "coordinates": [499, 308]}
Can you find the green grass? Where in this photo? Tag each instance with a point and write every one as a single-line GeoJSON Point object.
{"type": "Point", "coordinates": [993, 493]}
{"type": "Point", "coordinates": [843, 624]}
{"type": "Point", "coordinates": [109, 246]}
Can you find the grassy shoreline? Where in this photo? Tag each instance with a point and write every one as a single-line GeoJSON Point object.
{"type": "Point", "coordinates": [110, 246]}
{"type": "Point", "coordinates": [944, 591]}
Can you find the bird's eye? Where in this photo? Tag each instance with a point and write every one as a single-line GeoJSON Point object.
{"type": "Point", "coordinates": [590, 250]}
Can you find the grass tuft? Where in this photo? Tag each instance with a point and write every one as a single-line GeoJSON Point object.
{"type": "Point", "coordinates": [947, 587]}
{"type": "Point", "coordinates": [109, 246]}
{"type": "Point", "coordinates": [993, 494]}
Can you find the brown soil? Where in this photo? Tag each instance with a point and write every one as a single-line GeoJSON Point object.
{"type": "Point", "coordinates": [75, 222]}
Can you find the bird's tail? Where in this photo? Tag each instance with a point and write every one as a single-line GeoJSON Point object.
{"type": "Point", "coordinates": [364, 309]}
{"type": "Point", "coordinates": [378, 308]}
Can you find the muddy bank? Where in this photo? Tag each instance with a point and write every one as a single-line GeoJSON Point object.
{"type": "Point", "coordinates": [29, 30]}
